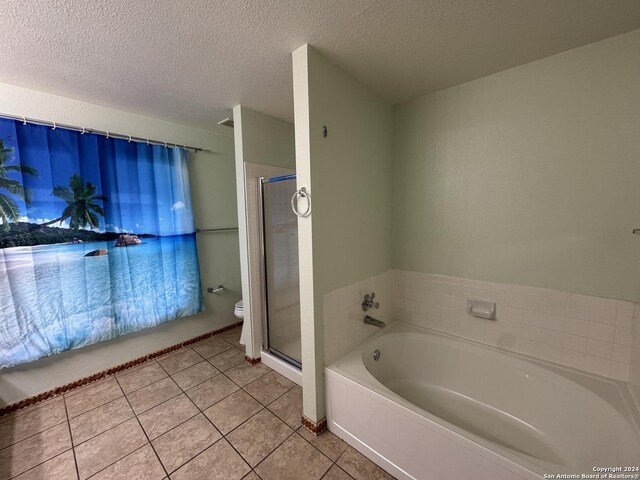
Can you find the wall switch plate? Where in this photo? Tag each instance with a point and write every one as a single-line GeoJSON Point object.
{"type": "Point", "coordinates": [481, 308]}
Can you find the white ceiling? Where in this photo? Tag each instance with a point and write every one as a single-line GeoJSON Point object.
{"type": "Point", "coordinates": [191, 61]}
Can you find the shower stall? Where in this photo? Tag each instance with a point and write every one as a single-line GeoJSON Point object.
{"type": "Point", "coordinates": [280, 280]}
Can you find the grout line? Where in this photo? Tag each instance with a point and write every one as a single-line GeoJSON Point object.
{"type": "Point", "coordinates": [96, 407]}
{"type": "Point", "coordinates": [111, 464]}
{"type": "Point", "coordinates": [151, 408]}
{"type": "Point", "coordinates": [200, 383]}
{"type": "Point", "coordinates": [332, 461]}
{"type": "Point", "coordinates": [228, 441]}
{"type": "Point", "coordinates": [33, 435]}
{"type": "Point", "coordinates": [27, 410]}
{"type": "Point", "coordinates": [177, 352]}
{"type": "Point", "coordinates": [200, 453]}
{"type": "Point", "coordinates": [177, 425]}
{"type": "Point", "coordinates": [104, 431]}
{"type": "Point", "coordinates": [277, 446]}
{"type": "Point", "coordinates": [263, 407]}
{"type": "Point", "coordinates": [73, 450]}
{"type": "Point", "coordinates": [40, 464]}
{"type": "Point", "coordinates": [94, 436]}
{"type": "Point", "coordinates": [145, 433]}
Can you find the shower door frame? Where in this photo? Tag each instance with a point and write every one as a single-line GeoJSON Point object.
{"type": "Point", "coordinates": [263, 272]}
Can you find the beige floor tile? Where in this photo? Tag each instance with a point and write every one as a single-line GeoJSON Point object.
{"type": "Point", "coordinates": [227, 359]}
{"type": "Point", "coordinates": [233, 336]}
{"type": "Point", "coordinates": [18, 428]}
{"type": "Point", "coordinates": [167, 415]}
{"type": "Point", "coordinates": [259, 436]}
{"type": "Point", "coordinates": [194, 375]}
{"type": "Point", "coordinates": [326, 442]}
{"type": "Point", "coordinates": [29, 409]}
{"type": "Point", "coordinates": [139, 465]}
{"type": "Point", "coordinates": [360, 467]}
{"type": "Point", "coordinates": [289, 407]}
{"type": "Point", "coordinates": [211, 391]}
{"type": "Point", "coordinates": [96, 421]}
{"type": "Point", "coordinates": [180, 360]}
{"type": "Point", "coordinates": [230, 412]}
{"type": "Point", "coordinates": [142, 376]}
{"type": "Point", "coordinates": [92, 396]}
{"type": "Point", "coordinates": [251, 476]}
{"type": "Point", "coordinates": [336, 473]}
{"type": "Point", "coordinates": [219, 462]}
{"type": "Point", "coordinates": [212, 347]}
{"type": "Point", "coordinates": [244, 373]}
{"type": "Point", "coordinates": [148, 397]}
{"type": "Point", "coordinates": [33, 451]}
{"type": "Point", "coordinates": [269, 387]}
{"type": "Point", "coordinates": [178, 446]}
{"type": "Point", "coordinates": [293, 460]}
{"type": "Point", "coordinates": [109, 447]}
{"type": "Point", "coordinates": [62, 467]}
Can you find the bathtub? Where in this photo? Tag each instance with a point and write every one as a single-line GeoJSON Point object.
{"type": "Point", "coordinates": [435, 406]}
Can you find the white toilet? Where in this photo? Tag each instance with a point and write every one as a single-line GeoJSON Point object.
{"type": "Point", "coordinates": [238, 310]}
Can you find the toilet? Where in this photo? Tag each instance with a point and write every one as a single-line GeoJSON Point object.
{"type": "Point", "coordinates": [238, 310]}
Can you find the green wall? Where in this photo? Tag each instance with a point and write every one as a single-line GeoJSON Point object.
{"type": "Point", "coordinates": [351, 178]}
{"type": "Point", "coordinates": [267, 140]}
{"type": "Point", "coordinates": [530, 176]}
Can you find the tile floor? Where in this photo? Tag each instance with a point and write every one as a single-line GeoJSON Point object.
{"type": "Point", "coordinates": [201, 412]}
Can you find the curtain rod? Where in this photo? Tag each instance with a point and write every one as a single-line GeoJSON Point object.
{"type": "Point", "coordinates": [104, 133]}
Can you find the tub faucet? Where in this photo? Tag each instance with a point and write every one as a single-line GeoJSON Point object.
{"type": "Point", "coordinates": [374, 321]}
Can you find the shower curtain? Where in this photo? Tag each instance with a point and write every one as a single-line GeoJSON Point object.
{"type": "Point", "coordinates": [96, 239]}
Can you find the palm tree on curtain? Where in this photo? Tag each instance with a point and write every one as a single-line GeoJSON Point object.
{"type": "Point", "coordinates": [9, 211]}
{"type": "Point", "coordinates": [81, 209]}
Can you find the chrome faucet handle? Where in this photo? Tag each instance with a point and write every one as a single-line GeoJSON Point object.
{"type": "Point", "coordinates": [375, 305]}
{"type": "Point", "coordinates": [368, 302]}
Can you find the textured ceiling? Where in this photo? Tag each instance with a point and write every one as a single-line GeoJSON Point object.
{"type": "Point", "coordinates": [191, 61]}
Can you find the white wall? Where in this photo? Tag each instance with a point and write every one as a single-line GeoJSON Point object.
{"type": "Point", "coordinates": [213, 200]}
{"type": "Point", "coordinates": [347, 238]}
{"type": "Point", "coordinates": [528, 176]}
{"type": "Point", "coordinates": [265, 142]}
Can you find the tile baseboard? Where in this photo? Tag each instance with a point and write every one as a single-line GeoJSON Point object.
{"type": "Point", "coordinates": [315, 428]}
{"type": "Point", "coordinates": [252, 361]}
{"type": "Point", "coordinates": [30, 401]}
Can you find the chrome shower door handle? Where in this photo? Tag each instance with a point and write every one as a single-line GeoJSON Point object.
{"type": "Point", "coordinates": [302, 193]}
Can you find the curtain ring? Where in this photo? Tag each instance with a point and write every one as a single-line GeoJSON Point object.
{"type": "Point", "coordinates": [147, 141]}
{"type": "Point", "coordinates": [24, 120]}
{"type": "Point", "coordinates": [54, 126]}
{"type": "Point", "coordinates": [107, 134]}
{"type": "Point", "coordinates": [83, 131]}
{"type": "Point", "coordinates": [129, 138]}
{"type": "Point", "coordinates": [165, 144]}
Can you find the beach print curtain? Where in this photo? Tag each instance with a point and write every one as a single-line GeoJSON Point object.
{"type": "Point", "coordinates": [96, 239]}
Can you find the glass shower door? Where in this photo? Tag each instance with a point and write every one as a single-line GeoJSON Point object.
{"type": "Point", "coordinates": [280, 273]}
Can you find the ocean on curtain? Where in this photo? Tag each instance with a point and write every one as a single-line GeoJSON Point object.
{"type": "Point", "coordinates": [96, 239]}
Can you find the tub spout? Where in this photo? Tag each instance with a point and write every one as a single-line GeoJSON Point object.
{"type": "Point", "coordinates": [374, 321]}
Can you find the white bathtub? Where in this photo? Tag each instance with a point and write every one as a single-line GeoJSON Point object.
{"type": "Point", "coordinates": [438, 407]}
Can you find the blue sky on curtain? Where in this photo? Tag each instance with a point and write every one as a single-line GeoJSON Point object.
{"type": "Point", "coordinates": [96, 239]}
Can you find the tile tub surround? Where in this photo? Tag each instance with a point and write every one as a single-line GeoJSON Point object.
{"type": "Point", "coordinates": [588, 333]}
{"type": "Point", "coordinates": [344, 328]}
{"type": "Point", "coordinates": [148, 422]}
